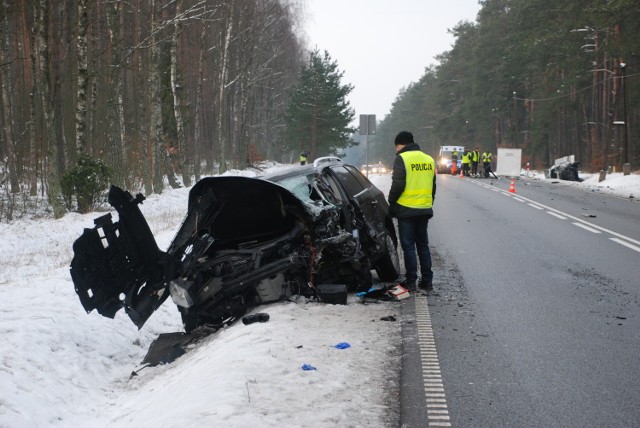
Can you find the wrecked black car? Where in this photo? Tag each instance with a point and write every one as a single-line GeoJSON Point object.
{"type": "Point", "coordinates": [565, 171]}
{"type": "Point", "coordinates": [244, 242]}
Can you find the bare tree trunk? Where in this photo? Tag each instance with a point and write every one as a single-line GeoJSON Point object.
{"type": "Point", "coordinates": [177, 101]}
{"type": "Point", "coordinates": [155, 102]}
{"type": "Point", "coordinates": [52, 174]}
{"type": "Point", "coordinates": [143, 113]}
{"type": "Point", "coordinates": [8, 129]}
{"type": "Point", "coordinates": [224, 68]}
{"type": "Point", "coordinates": [198, 112]}
{"type": "Point", "coordinates": [33, 146]}
{"type": "Point", "coordinates": [83, 79]}
{"type": "Point", "coordinates": [118, 152]}
{"type": "Point", "coordinates": [7, 84]}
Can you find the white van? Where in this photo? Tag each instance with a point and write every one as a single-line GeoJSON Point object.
{"type": "Point", "coordinates": [444, 158]}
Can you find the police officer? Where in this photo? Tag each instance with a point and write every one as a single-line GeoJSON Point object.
{"type": "Point", "coordinates": [466, 160]}
{"type": "Point", "coordinates": [486, 163]}
{"type": "Point", "coordinates": [413, 189]}
{"type": "Point", "coordinates": [454, 161]}
{"type": "Point", "coordinates": [475, 158]}
{"type": "Point", "coordinates": [303, 158]}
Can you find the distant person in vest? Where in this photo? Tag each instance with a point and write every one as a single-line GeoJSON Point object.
{"type": "Point", "coordinates": [486, 163]}
{"type": "Point", "coordinates": [303, 158]}
{"type": "Point", "coordinates": [466, 161]}
{"type": "Point", "coordinates": [413, 189]}
{"type": "Point", "coordinates": [475, 159]}
{"type": "Point", "coordinates": [454, 162]}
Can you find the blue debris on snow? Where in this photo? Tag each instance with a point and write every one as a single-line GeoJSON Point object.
{"type": "Point", "coordinates": [342, 345]}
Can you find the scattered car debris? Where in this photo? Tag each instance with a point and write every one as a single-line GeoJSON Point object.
{"type": "Point", "coordinates": [259, 317]}
{"type": "Point", "coordinates": [342, 345]}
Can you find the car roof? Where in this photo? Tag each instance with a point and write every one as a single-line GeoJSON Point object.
{"type": "Point", "coordinates": [296, 170]}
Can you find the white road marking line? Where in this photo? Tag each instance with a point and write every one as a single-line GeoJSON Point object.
{"type": "Point", "coordinates": [437, 411]}
{"type": "Point", "coordinates": [538, 207]}
{"type": "Point", "coordinates": [586, 224]}
{"type": "Point", "coordinates": [557, 215]}
{"type": "Point", "coordinates": [626, 244]}
{"type": "Point", "coordinates": [590, 229]}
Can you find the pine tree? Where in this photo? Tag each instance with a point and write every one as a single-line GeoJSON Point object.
{"type": "Point", "coordinates": [318, 114]}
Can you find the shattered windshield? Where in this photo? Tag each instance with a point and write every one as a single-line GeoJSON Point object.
{"type": "Point", "coordinates": [299, 186]}
{"type": "Point", "coordinates": [312, 192]}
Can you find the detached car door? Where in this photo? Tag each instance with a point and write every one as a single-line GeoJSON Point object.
{"type": "Point", "coordinates": [368, 198]}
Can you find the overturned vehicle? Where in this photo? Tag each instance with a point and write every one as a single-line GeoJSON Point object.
{"type": "Point", "coordinates": [243, 242]}
{"type": "Point", "coordinates": [564, 171]}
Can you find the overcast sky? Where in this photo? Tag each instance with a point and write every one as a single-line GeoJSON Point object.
{"type": "Point", "coordinates": [383, 45]}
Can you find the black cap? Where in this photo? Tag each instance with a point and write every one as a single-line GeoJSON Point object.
{"type": "Point", "coordinates": [403, 137]}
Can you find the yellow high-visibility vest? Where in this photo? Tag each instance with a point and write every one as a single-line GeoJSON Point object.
{"type": "Point", "coordinates": [418, 188]}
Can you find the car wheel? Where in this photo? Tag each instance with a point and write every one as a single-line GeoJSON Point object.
{"type": "Point", "coordinates": [388, 267]}
{"type": "Point", "coordinates": [365, 279]}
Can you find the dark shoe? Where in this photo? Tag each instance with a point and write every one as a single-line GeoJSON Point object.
{"type": "Point", "coordinates": [409, 285]}
{"type": "Point", "coordinates": [426, 285]}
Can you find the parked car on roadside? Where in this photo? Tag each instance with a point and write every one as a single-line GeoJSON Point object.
{"type": "Point", "coordinates": [244, 242]}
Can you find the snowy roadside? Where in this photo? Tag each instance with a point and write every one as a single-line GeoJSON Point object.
{"type": "Point", "coordinates": [62, 367]}
{"type": "Point", "coordinates": [617, 184]}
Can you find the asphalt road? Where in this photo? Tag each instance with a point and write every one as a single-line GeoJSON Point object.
{"type": "Point", "coordinates": [536, 309]}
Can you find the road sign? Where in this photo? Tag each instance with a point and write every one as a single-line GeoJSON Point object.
{"type": "Point", "coordinates": [367, 124]}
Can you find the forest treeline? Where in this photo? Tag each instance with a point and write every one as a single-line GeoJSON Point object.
{"type": "Point", "coordinates": [165, 91]}
{"type": "Point", "coordinates": [153, 88]}
{"type": "Point", "coordinates": [552, 77]}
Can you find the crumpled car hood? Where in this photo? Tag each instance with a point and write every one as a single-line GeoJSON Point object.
{"type": "Point", "coordinates": [118, 265]}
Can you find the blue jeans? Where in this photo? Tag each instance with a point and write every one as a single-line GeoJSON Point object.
{"type": "Point", "coordinates": [414, 240]}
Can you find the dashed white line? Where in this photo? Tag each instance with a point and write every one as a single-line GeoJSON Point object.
{"type": "Point", "coordinates": [590, 229]}
{"type": "Point", "coordinates": [624, 240]}
{"type": "Point", "coordinates": [626, 244]}
{"type": "Point", "coordinates": [557, 215]}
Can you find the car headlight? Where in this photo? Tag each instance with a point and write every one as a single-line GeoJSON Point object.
{"type": "Point", "coordinates": [179, 289]}
{"type": "Point", "coordinates": [443, 161]}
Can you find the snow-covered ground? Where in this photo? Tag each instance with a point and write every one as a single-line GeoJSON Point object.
{"type": "Point", "coordinates": [618, 184]}
{"type": "Point", "coordinates": [62, 367]}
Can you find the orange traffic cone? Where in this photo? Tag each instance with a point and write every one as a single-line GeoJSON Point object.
{"type": "Point", "coordinates": [512, 188]}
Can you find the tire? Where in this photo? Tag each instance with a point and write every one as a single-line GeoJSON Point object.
{"type": "Point", "coordinates": [388, 266]}
{"type": "Point", "coordinates": [365, 279]}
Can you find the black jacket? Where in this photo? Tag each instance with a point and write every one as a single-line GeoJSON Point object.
{"type": "Point", "coordinates": [398, 182]}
